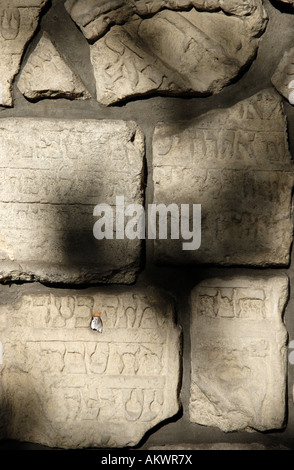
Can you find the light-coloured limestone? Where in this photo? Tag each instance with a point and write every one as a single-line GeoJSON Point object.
{"type": "Point", "coordinates": [239, 353]}
{"type": "Point", "coordinates": [283, 78]}
{"type": "Point", "coordinates": [235, 162]}
{"type": "Point", "coordinates": [18, 22]}
{"type": "Point", "coordinates": [53, 173]}
{"type": "Point", "coordinates": [95, 17]}
{"type": "Point", "coordinates": [47, 75]}
{"type": "Point", "coordinates": [193, 52]}
{"type": "Point", "coordinates": [64, 385]}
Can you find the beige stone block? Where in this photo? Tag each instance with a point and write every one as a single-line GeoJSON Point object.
{"type": "Point", "coordinates": [47, 75]}
{"type": "Point", "coordinates": [189, 52]}
{"type": "Point", "coordinates": [239, 353]}
{"type": "Point", "coordinates": [18, 22]}
{"type": "Point", "coordinates": [54, 172]}
{"type": "Point", "coordinates": [95, 17]}
{"type": "Point", "coordinates": [64, 385]}
{"type": "Point", "coordinates": [235, 162]}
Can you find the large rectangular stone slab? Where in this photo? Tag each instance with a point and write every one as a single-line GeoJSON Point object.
{"type": "Point", "coordinates": [63, 384]}
{"type": "Point", "coordinates": [235, 162]}
{"type": "Point", "coordinates": [239, 353]}
{"type": "Point", "coordinates": [53, 173]}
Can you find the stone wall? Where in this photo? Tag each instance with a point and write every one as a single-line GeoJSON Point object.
{"type": "Point", "coordinates": [130, 341]}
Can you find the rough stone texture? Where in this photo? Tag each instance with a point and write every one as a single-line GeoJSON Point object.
{"type": "Point", "coordinates": [235, 163]}
{"type": "Point", "coordinates": [47, 75]}
{"type": "Point", "coordinates": [18, 22]}
{"type": "Point", "coordinates": [174, 53]}
{"type": "Point", "coordinates": [219, 446]}
{"type": "Point", "coordinates": [283, 78]}
{"type": "Point", "coordinates": [239, 353]}
{"type": "Point", "coordinates": [64, 385]}
{"type": "Point", "coordinates": [94, 17]}
{"type": "Point", "coordinates": [53, 173]}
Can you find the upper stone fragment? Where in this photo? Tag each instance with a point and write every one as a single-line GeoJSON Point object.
{"type": "Point", "coordinates": [47, 75]}
{"type": "Point", "coordinates": [236, 164]}
{"type": "Point", "coordinates": [18, 22]}
{"type": "Point", "coordinates": [189, 52]}
{"type": "Point", "coordinates": [94, 17]}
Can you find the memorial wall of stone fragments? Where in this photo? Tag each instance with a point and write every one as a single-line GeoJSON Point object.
{"type": "Point", "coordinates": [132, 340]}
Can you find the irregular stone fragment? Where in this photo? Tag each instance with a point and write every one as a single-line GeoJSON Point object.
{"type": "Point", "coordinates": [239, 353]}
{"type": "Point", "coordinates": [53, 173]}
{"type": "Point", "coordinates": [192, 52]}
{"type": "Point", "coordinates": [283, 78]}
{"type": "Point", "coordinates": [18, 22]}
{"type": "Point", "coordinates": [64, 385]}
{"type": "Point", "coordinates": [236, 164]}
{"type": "Point", "coordinates": [94, 17]}
{"type": "Point", "coordinates": [46, 75]}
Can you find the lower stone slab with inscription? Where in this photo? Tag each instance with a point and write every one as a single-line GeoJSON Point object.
{"type": "Point", "coordinates": [53, 173]}
{"type": "Point", "coordinates": [236, 164]}
{"type": "Point", "coordinates": [239, 353]}
{"type": "Point", "coordinates": [65, 385]}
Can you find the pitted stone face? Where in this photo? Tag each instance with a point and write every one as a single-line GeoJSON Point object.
{"type": "Point", "coordinates": [95, 17]}
{"type": "Point", "coordinates": [18, 22]}
{"type": "Point", "coordinates": [239, 353]}
{"type": "Point", "coordinates": [47, 75]}
{"type": "Point", "coordinates": [235, 162]}
{"type": "Point", "coordinates": [63, 385]}
{"type": "Point", "coordinates": [56, 171]}
{"type": "Point", "coordinates": [175, 52]}
{"type": "Point", "coordinates": [181, 47]}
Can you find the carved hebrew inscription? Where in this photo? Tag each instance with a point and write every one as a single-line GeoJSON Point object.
{"type": "Point", "coordinates": [84, 388]}
{"type": "Point", "coordinates": [174, 52]}
{"type": "Point", "coordinates": [53, 174]}
{"type": "Point", "coordinates": [47, 75]}
{"type": "Point", "coordinates": [238, 353]}
{"type": "Point", "coordinates": [234, 162]}
{"type": "Point", "coordinates": [18, 21]}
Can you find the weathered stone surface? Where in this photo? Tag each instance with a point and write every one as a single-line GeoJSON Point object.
{"type": "Point", "coordinates": [94, 17]}
{"type": "Point", "coordinates": [283, 78]}
{"type": "Point", "coordinates": [53, 173]}
{"type": "Point", "coordinates": [47, 75]}
{"type": "Point", "coordinates": [219, 446]}
{"type": "Point", "coordinates": [65, 385]}
{"type": "Point", "coordinates": [18, 22]}
{"type": "Point", "coordinates": [193, 52]}
{"type": "Point", "coordinates": [239, 353]}
{"type": "Point", "coordinates": [235, 163]}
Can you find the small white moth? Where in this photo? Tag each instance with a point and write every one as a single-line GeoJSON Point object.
{"type": "Point", "coordinates": [96, 323]}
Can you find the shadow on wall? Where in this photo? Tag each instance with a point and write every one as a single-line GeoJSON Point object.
{"type": "Point", "coordinates": [238, 209]}
{"type": "Point", "coordinates": [242, 220]}
{"type": "Point", "coordinates": [21, 409]}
